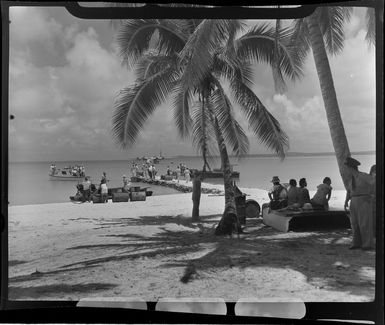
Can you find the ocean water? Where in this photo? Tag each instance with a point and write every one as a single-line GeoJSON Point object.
{"type": "Point", "coordinates": [28, 182]}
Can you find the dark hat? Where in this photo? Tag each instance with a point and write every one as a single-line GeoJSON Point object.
{"type": "Point", "coordinates": [275, 179]}
{"type": "Point", "coordinates": [351, 162]}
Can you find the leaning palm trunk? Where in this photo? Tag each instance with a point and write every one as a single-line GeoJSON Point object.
{"type": "Point", "coordinates": [329, 96]}
{"type": "Point", "coordinates": [227, 223]}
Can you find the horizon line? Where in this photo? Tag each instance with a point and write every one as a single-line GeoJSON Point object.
{"type": "Point", "coordinates": [288, 154]}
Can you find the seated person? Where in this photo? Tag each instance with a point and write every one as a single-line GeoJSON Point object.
{"type": "Point", "coordinates": [321, 198]}
{"type": "Point", "coordinates": [277, 195]}
{"type": "Point", "coordinates": [292, 192]}
{"type": "Point", "coordinates": [303, 192]}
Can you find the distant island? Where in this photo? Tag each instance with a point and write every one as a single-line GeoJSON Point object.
{"type": "Point", "coordinates": [289, 154]}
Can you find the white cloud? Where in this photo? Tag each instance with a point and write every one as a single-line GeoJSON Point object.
{"type": "Point", "coordinates": [63, 83]}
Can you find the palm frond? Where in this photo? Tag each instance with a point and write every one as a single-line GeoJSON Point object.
{"type": "Point", "coordinates": [371, 26]}
{"type": "Point", "coordinates": [137, 103]}
{"type": "Point", "coordinates": [299, 40]}
{"type": "Point", "coordinates": [181, 103]}
{"type": "Point", "coordinates": [134, 38]}
{"type": "Point", "coordinates": [152, 63]}
{"type": "Point", "coordinates": [172, 35]}
{"type": "Point", "coordinates": [279, 82]}
{"type": "Point", "coordinates": [260, 45]}
{"type": "Point", "coordinates": [232, 132]}
{"type": "Point", "coordinates": [203, 135]}
{"type": "Point", "coordinates": [261, 122]}
{"type": "Point", "coordinates": [228, 66]}
{"type": "Point", "coordinates": [197, 55]}
{"type": "Point", "coordinates": [331, 21]}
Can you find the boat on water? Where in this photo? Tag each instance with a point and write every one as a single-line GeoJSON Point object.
{"type": "Point", "coordinates": [69, 173]}
{"type": "Point", "coordinates": [218, 173]}
{"type": "Point", "coordinates": [152, 159]}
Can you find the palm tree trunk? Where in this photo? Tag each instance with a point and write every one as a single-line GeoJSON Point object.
{"type": "Point", "coordinates": [329, 96]}
{"type": "Point", "coordinates": [229, 221]}
{"type": "Point", "coordinates": [196, 195]}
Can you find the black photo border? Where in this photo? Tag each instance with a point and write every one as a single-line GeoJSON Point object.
{"type": "Point", "coordinates": [66, 311]}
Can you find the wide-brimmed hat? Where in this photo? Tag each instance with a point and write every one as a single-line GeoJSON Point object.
{"type": "Point", "coordinates": [275, 179]}
{"type": "Point", "coordinates": [351, 162]}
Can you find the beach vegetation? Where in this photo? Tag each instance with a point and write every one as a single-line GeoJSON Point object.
{"type": "Point", "coordinates": [198, 63]}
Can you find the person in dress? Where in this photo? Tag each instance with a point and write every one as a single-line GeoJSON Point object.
{"type": "Point", "coordinates": [154, 171]}
{"type": "Point", "coordinates": [178, 173]}
{"type": "Point", "coordinates": [321, 198]}
{"type": "Point", "coordinates": [277, 195]}
{"type": "Point", "coordinates": [292, 192]}
{"type": "Point", "coordinates": [303, 192]}
{"type": "Point", "coordinates": [361, 215]}
{"type": "Point", "coordinates": [187, 174]}
{"type": "Point", "coordinates": [104, 191]}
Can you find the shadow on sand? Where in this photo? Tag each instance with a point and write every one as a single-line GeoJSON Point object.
{"type": "Point", "coordinates": [260, 246]}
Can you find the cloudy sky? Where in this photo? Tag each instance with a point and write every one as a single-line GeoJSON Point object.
{"type": "Point", "coordinates": [64, 74]}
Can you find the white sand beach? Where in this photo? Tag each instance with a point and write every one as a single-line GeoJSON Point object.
{"type": "Point", "coordinates": [150, 249]}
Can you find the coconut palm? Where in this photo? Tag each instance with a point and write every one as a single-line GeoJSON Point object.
{"type": "Point", "coordinates": [322, 31]}
{"type": "Point", "coordinates": [370, 18]}
{"type": "Point", "coordinates": [189, 60]}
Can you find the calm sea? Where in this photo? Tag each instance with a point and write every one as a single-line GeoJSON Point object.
{"type": "Point", "coordinates": [29, 182]}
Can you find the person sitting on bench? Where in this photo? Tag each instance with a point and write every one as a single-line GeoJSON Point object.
{"type": "Point", "coordinates": [321, 198]}
{"type": "Point", "coordinates": [277, 195]}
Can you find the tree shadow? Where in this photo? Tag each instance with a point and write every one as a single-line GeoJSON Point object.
{"type": "Point", "coordinates": [56, 290]}
{"type": "Point", "coordinates": [16, 262]}
{"type": "Point", "coordinates": [259, 246]}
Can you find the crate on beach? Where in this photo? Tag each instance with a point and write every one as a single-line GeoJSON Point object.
{"type": "Point", "coordinates": [120, 197]}
{"type": "Point", "coordinates": [138, 196]}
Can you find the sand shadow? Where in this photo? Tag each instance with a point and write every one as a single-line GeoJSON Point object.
{"type": "Point", "coordinates": [56, 290]}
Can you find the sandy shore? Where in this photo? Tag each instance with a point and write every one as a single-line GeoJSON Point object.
{"type": "Point", "coordinates": [149, 250]}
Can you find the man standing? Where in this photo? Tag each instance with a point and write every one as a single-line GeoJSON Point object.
{"type": "Point", "coordinates": [86, 188]}
{"type": "Point", "coordinates": [359, 194]}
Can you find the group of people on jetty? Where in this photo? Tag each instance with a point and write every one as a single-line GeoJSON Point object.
{"type": "Point", "coordinates": [149, 171]}
{"type": "Point", "coordinates": [361, 193]}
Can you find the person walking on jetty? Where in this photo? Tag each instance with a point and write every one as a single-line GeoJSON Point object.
{"type": "Point", "coordinates": [322, 196]}
{"type": "Point", "coordinates": [303, 192]}
{"type": "Point", "coordinates": [187, 174]}
{"type": "Point", "coordinates": [358, 193]}
{"type": "Point", "coordinates": [177, 173]}
{"type": "Point", "coordinates": [153, 171]}
{"type": "Point", "coordinates": [104, 191]}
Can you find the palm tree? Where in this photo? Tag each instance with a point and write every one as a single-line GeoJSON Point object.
{"type": "Point", "coordinates": [189, 60]}
{"type": "Point", "coordinates": [371, 26]}
{"type": "Point", "coordinates": [323, 31]}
